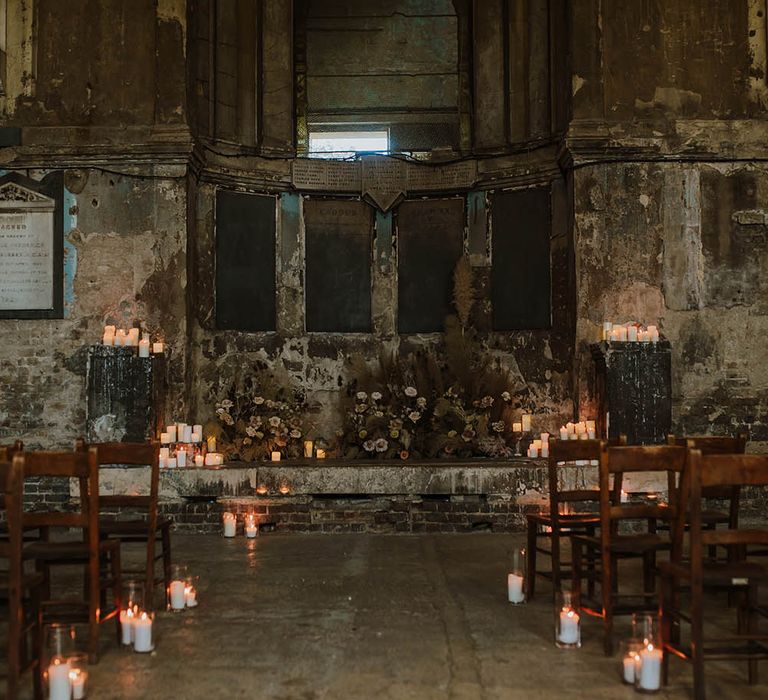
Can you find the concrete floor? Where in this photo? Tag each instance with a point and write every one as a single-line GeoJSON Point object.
{"type": "Point", "coordinates": [307, 617]}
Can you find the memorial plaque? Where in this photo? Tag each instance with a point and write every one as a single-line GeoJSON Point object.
{"type": "Point", "coordinates": [430, 235]}
{"type": "Point", "coordinates": [339, 237]}
{"type": "Point", "coordinates": [427, 178]}
{"type": "Point", "coordinates": [31, 247]}
{"type": "Point", "coordinates": [326, 175]}
{"type": "Point", "coordinates": [385, 180]}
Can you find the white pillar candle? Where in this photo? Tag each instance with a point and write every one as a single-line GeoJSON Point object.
{"type": "Point", "coordinates": [320, 453]}
{"type": "Point", "coordinates": [209, 461]}
{"type": "Point", "coordinates": [194, 438]}
{"type": "Point", "coordinates": [176, 595]}
{"type": "Point", "coordinates": [197, 428]}
{"type": "Point", "coordinates": [181, 458]}
{"type": "Point", "coordinates": [632, 334]}
{"type": "Point", "coordinates": [165, 452]}
{"type": "Point", "coordinates": [199, 460]}
{"type": "Point", "coordinates": [165, 439]}
{"type": "Point", "coordinates": [59, 687]}
{"type": "Point", "coordinates": [108, 338]}
{"type": "Point", "coordinates": [144, 347]}
{"type": "Point", "coordinates": [590, 434]}
{"type": "Point", "coordinates": [515, 588]}
{"type": "Point", "coordinates": [171, 431]}
{"type": "Point", "coordinates": [563, 433]}
{"type": "Point", "coordinates": [187, 434]}
{"type": "Point", "coordinates": [126, 627]}
{"type": "Point", "coordinates": [180, 431]}
{"type": "Point", "coordinates": [142, 631]}
{"type": "Point", "coordinates": [275, 456]}
{"type": "Point", "coordinates": [171, 463]}
{"type": "Point", "coordinates": [190, 596]}
{"type": "Point", "coordinates": [157, 348]}
{"type": "Point", "coordinates": [309, 449]}
{"type": "Point", "coordinates": [251, 529]}
{"type": "Point", "coordinates": [517, 427]}
{"type": "Point", "coordinates": [230, 524]}
{"type": "Point", "coordinates": [569, 627]}
{"type": "Point", "coordinates": [544, 438]}
{"type": "Point", "coordinates": [526, 421]}
{"type": "Point", "coordinates": [650, 668]}
{"type": "Point", "coordinates": [545, 451]}
{"type": "Point", "coordinates": [78, 679]}
{"type": "Point", "coordinates": [118, 338]}
{"type": "Point", "coordinates": [607, 326]}
{"type": "Point", "coordinates": [533, 452]}
{"type": "Point", "coordinates": [629, 662]}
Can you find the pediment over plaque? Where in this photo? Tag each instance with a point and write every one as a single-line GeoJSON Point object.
{"type": "Point", "coordinates": [15, 196]}
{"type": "Point", "coordinates": [385, 180]}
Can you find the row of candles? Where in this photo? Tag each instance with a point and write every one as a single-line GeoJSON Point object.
{"type": "Point", "coordinates": [629, 333]}
{"type": "Point", "coordinates": [119, 337]}
{"type": "Point", "coordinates": [182, 446]}
{"type": "Point", "coordinates": [641, 660]}
{"type": "Point", "coordinates": [583, 430]}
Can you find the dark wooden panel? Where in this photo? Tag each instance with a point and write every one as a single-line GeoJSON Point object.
{"type": "Point", "coordinates": [521, 280]}
{"type": "Point", "coordinates": [338, 265]}
{"type": "Point", "coordinates": [430, 237]}
{"type": "Point", "coordinates": [245, 262]}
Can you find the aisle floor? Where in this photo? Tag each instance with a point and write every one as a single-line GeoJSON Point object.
{"type": "Point", "coordinates": [311, 617]}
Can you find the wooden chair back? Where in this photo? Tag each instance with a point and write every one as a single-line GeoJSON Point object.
{"type": "Point", "coordinates": [82, 466]}
{"type": "Point", "coordinates": [11, 495]}
{"type": "Point", "coordinates": [132, 454]}
{"type": "Point", "coordinates": [617, 461]}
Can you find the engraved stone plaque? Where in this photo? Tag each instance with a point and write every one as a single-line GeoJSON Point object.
{"type": "Point", "coordinates": [27, 250]}
{"type": "Point", "coordinates": [385, 180]}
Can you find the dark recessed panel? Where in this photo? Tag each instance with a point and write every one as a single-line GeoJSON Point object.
{"type": "Point", "coordinates": [430, 236]}
{"type": "Point", "coordinates": [338, 265]}
{"type": "Point", "coordinates": [245, 262]}
{"type": "Point", "coordinates": [521, 280]}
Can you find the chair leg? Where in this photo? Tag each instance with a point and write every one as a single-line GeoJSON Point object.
{"type": "Point", "coordinates": [15, 625]}
{"type": "Point", "coordinates": [609, 579]}
{"type": "Point", "coordinates": [554, 542]}
{"type": "Point", "coordinates": [117, 588]}
{"type": "Point", "coordinates": [531, 573]}
{"type": "Point", "coordinates": [591, 566]}
{"type": "Point", "coordinates": [166, 534]}
{"type": "Point", "coordinates": [94, 594]}
{"type": "Point", "coordinates": [149, 584]}
{"type": "Point", "coordinates": [37, 643]}
{"type": "Point", "coordinates": [576, 573]}
{"type": "Point", "coordinates": [666, 630]}
{"type": "Point", "coordinates": [751, 620]}
{"type": "Point", "coordinates": [697, 641]}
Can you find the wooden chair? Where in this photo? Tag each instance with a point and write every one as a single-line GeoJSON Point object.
{"type": "Point", "coordinates": [146, 526]}
{"type": "Point", "coordinates": [739, 573]}
{"type": "Point", "coordinates": [613, 545]}
{"type": "Point", "coordinates": [19, 591]}
{"type": "Point", "coordinates": [90, 552]}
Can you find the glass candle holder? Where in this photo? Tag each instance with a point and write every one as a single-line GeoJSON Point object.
{"type": "Point", "coordinates": [176, 596]}
{"type": "Point", "coordinates": [78, 675]}
{"type": "Point", "coordinates": [143, 632]}
{"type": "Point", "coordinates": [191, 584]}
{"type": "Point", "coordinates": [629, 660]}
{"type": "Point", "coordinates": [251, 526]}
{"type": "Point", "coordinates": [645, 627]}
{"type": "Point", "coordinates": [516, 584]}
{"type": "Point", "coordinates": [60, 646]}
{"type": "Point", "coordinates": [648, 669]}
{"type": "Point", "coordinates": [567, 622]}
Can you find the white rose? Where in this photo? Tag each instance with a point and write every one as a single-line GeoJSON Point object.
{"type": "Point", "coordinates": [411, 391]}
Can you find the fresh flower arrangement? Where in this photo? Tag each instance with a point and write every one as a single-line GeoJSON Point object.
{"type": "Point", "coordinates": [261, 414]}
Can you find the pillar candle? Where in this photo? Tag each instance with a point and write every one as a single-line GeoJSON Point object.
{"type": "Point", "coordinates": [632, 334]}
{"type": "Point", "coordinates": [607, 326]}
{"type": "Point", "coordinates": [650, 668]}
{"type": "Point", "coordinates": [190, 596]}
{"type": "Point", "coordinates": [171, 463]}
{"type": "Point", "coordinates": [590, 425]}
{"type": "Point", "coordinates": [157, 348]}
{"type": "Point", "coordinates": [545, 451]}
{"type": "Point", "coordinates": [533, 452]}
{"type": "Point", "coordinates": [176, 596]}
{"type": "Point", "coordinates": [144, 347]}
{"type": "Point", "coordinates": [563, 433]}
{"type": "Point", "coordinates": [108, 338]}
{"type": "Point", "coordinates": [180, 431]}
{"type": "Point", "coordinates": [569, 627]}
{"type": "Point", "coordinates": [308, 449]}
{"type": "Point", "coordinates": [629, 662]}
{"type": "Point", "coordinates": [251, 528]}
{"type": "Point", "coordinates": [187, 434]}
{"type": "Point", "coordinates": [230, 524]}
{"type": "Point", "coordinates": [78, 679]}
{"type": "Point", "coordinates": [275, 456]}
{"type": "Point", "coordinates": [526, 421]}
{"type": "Point", "coordinates": [165, 439]}
{"type": "Point", "coordinates": [181, 458]}
{"type": "Point", "coordinates": [517, 427]}
{"type": "Point", "coordinates": [171, 430]}
{"type": "Point", "coordinates": [58, 681]}
{"type": "Point", "coordinates": [126, 627]}
{"type": "Point", "coordinates": [165, 452]}
{"type": "Point", "coordinates": [199, 461]}
{"type": "Point", "coordinates": [515, 588]}
{"type": "Point", "coordinates": [142, 630]}
{"type": "Point", "coordinates": [320, 453]}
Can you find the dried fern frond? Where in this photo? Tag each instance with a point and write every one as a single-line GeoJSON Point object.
{"type": "Point", "coordinates": [463, 291]}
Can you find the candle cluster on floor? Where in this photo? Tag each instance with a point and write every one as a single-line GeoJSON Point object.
{"type": "Point", "coordinates": [120, 337]}
{"type": "Point", "coordinates": [631, 332]}
{"type": "Point", "coordinates": [250, 525]}
{"type": "Point", "coordinates": [66, 674]}
{"type": "Point", "coordinates": [182, 445]}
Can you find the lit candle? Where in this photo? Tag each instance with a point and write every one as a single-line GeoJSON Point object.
{"type": "Point", "coordinates": [251, 527]}
{"type": "Point", "coordinates": [144, 346]}
{"type": "Point", "coordinates": [177, 595]}
{"type": "Point", "coordinates": [165, 439]}
{"type": "Point", "coordinates": [632, 334]}
{"type": "Point", "coordinates": [515, 588]}
{"type": "Point", "coordinates": [569, 627]}
{"type": "Point", "coordinates": [308, 449]}
{"type": "Point", "coordinates": [157, 348]}
{"type": "Point", "coordinates": [77, 679]}
{"type": "Point", "coordinates": [211, 442]}
{"type": "Point", "coordinates": [133, 337]}
{"type": "Point", "coordinates": [629, 662]}
{"type": "Point", "coordinates": [58, 680]}
{"type": "Point", "coordinates": [517, 427]}
{"type": "Point", "coordinates": [199, 461]}
{"type": "Point", "coordinates": [126, 626]}
{"type": "Point", "coordinates": [526, 421]}
{"type": "Point", "coordinates": [181, 458]}
{"type": "Point", "coordinates": [320, 453]}
{"type": "Point", "coordinates": [607, 326]}
{"type": "Point", "coordinates": [190, 596]}
{"type": "Point", "coordinates": [563, 433]}
{"type": "Point", "coordinates": [230, 524]}
{"type": "Point", "coordinates": [650, 668]}
{"type": "Point", "coordinates": [275, 456]}
{"type": "Point", "coordinates": [142, 627]}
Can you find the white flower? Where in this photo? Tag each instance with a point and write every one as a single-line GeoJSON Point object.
{"type": "Point", "coordinates": [421, 402]}
{"type": "Point", "coordinates": [251, 431]}
{"type": "Point", "coordinates": [226, 403]}
{"type": "Point", "coordinates": [258, 400]}
{"type": "Point", "coordinates": [411, 391]}
{"type": "Point", "coordinates": [369, 445]}
{"type": "Point", "coordinates": [414, 416]}
{"type": "Point", "coordinates": [274, 421]}
{"type": "Point", "coordinates": [381, 445]}
{"type": "Point", "coordinates": [220, 411]}
{"type": "Point", "coordinates": [296, 434]}
{"type": "Point", "coordinates": [361, 396]}
{"type": "Point", "coordinates": [506, 396]}
{"type": "Point", "coordinates": [376, 395]}
{"type": "Point", "coordinates": [228, 419]}
{"type": "Point", "coordinates": [498, 426]}
{"type": "Point", "coordinates": [378, 414]}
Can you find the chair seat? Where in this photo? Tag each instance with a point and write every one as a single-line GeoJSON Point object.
{"type": "Point", "coordinates": [629, 544]}
{"type": "Point", "coordinates": [723, 573]}
{"type": "Point", "coordinates": [714, 517]}
{"type": "Point", "coordinates": [60, 551]}
{"type": "Point", "coordinates": [579, 519]}
{"type": "Point", "coordinates": [28, 582]}
{"type": "Point", "coordinates": [111, 527]}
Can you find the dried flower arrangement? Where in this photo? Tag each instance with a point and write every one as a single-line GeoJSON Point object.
{"type": "Point", "coordinates": [262, 412]}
